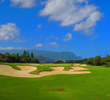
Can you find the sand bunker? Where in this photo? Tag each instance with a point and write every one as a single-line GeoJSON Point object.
{"type": "Point", "coordinates": [83, 65]}
{"type": "Point", "coordinates": [76, 64]}
{"type": "Point", "coordinates": [27, 68]}
{"type": "Point", "coordinates": [9, 71]}
{"type": "Point", "coordinates": [24, 72]}
{"type": "Point", "coordinates": [79, 68]}
{"type": "Point", "coordinates": [35, 64]}
{"type": "Point", "coordinates": [60, 70]}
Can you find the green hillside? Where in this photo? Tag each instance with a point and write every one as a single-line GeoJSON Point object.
{"type": "Point", "coordinates": [44, 59]}
{"type": "Point", "coordinates": [48, 54]}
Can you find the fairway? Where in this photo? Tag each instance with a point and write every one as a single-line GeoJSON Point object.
{"type": "Point", "coordinates": [93, 86]}
{"type": "Point", "coordinates": [54, 50]}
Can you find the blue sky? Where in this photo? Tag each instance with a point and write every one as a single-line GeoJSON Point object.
{"type": "Point", "coordinates": [79, 26]}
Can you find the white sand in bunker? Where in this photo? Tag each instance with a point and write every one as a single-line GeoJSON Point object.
{"type": "Point", "coordinates": [83, 65]}
{"type": "Point", "coordinates": [77, 64]}
{"type": "Point", "coordinates": [79, 68]}
{"type": "Point", "coordinates": [60, 70]}
{"type": "Point", "coordinates": [24, 72]}
{"type": "Point", "coordinates": [27, 68]}
{"type": "Point", "coordinates": [9, 71]}
{"type": "Point", "coordinates": [35, 64]}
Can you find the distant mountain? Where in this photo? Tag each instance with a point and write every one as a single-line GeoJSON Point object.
{"type": "Point", "coordinates": [44, 59]}
{"type": "Point", "coordinates": [48, 54]}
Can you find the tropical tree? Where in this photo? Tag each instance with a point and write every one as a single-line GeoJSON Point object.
{"type": "Point", "coordinates": [97, 60]}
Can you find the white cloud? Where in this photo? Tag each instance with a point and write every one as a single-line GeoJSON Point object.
{"type": "Point", "coordinates": [8, 31]}
{"type": "Point", "coordinates": [90, 22]}
{"type": "Point", "coordinates": [10, 48]}
{"type": "Point", "coordinates": [53, 44]}
{"type": "Point", "coordinates": [23, 3]}
{"type": "Point", "coordinates": [94, 37]}
{"type": "Point", "coordinates": [72, 12]}
{"type": "Point", "coordinates": [53, 37]}
{"type": "Point", "coordinates": [68, 37]}
{"type": "Point", "coordinates": [50, 37]}
{"type": "Point", "coordinates": [39, 45]}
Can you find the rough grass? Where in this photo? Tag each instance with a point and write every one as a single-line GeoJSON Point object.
{"type": "Point", "coordinates": [93, 86]}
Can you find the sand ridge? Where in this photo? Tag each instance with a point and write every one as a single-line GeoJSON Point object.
{"type": "Point", "coordinates": [84, 65]}
{"type": "Point", "coordinates": [24, 72]}
{"type": "Point", "coordinates": [36, 64]}
{"type": "Point", "coordinates": [60, 70]}
{"type": "Point", "coordinates": [79, 68]}
{"type": "Point", "coordinates": [27, 68]}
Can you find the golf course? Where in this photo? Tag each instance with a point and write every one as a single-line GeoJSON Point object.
{"type": "Point", "coordinates": [75, 84]}
{"type": "Point", "coordinates": [54, 50]}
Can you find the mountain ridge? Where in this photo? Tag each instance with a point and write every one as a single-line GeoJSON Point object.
{"type": "Point", "coordinates": [54, 55]}
{"type": "Point", "coordinates": [44, 59]}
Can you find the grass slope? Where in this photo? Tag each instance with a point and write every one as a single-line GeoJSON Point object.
{"type": "Point", "coordinates": [94, 86]}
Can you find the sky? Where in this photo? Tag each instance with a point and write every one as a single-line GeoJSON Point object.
{"type": "Point", "coordinates": [78, 26]}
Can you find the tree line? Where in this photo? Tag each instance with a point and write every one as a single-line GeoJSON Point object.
{"type": "Point", "coordinates": [98, 60]}
{"type": "Point", "coordinates": [16, 58]}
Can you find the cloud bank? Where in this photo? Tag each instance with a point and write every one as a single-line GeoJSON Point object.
{"type": "Point", "coordinates": [10, 48]}
{"type": "Point", "coordinates": [72, 12]}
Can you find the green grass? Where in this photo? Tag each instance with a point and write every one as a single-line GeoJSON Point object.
{"type": "Point", "coordinates": [40, 69]}
{"type": "Point", "coordinates": [94, 86]}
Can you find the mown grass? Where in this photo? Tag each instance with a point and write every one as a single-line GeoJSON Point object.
{"type": "Point", "coordinates": [93, 86]}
